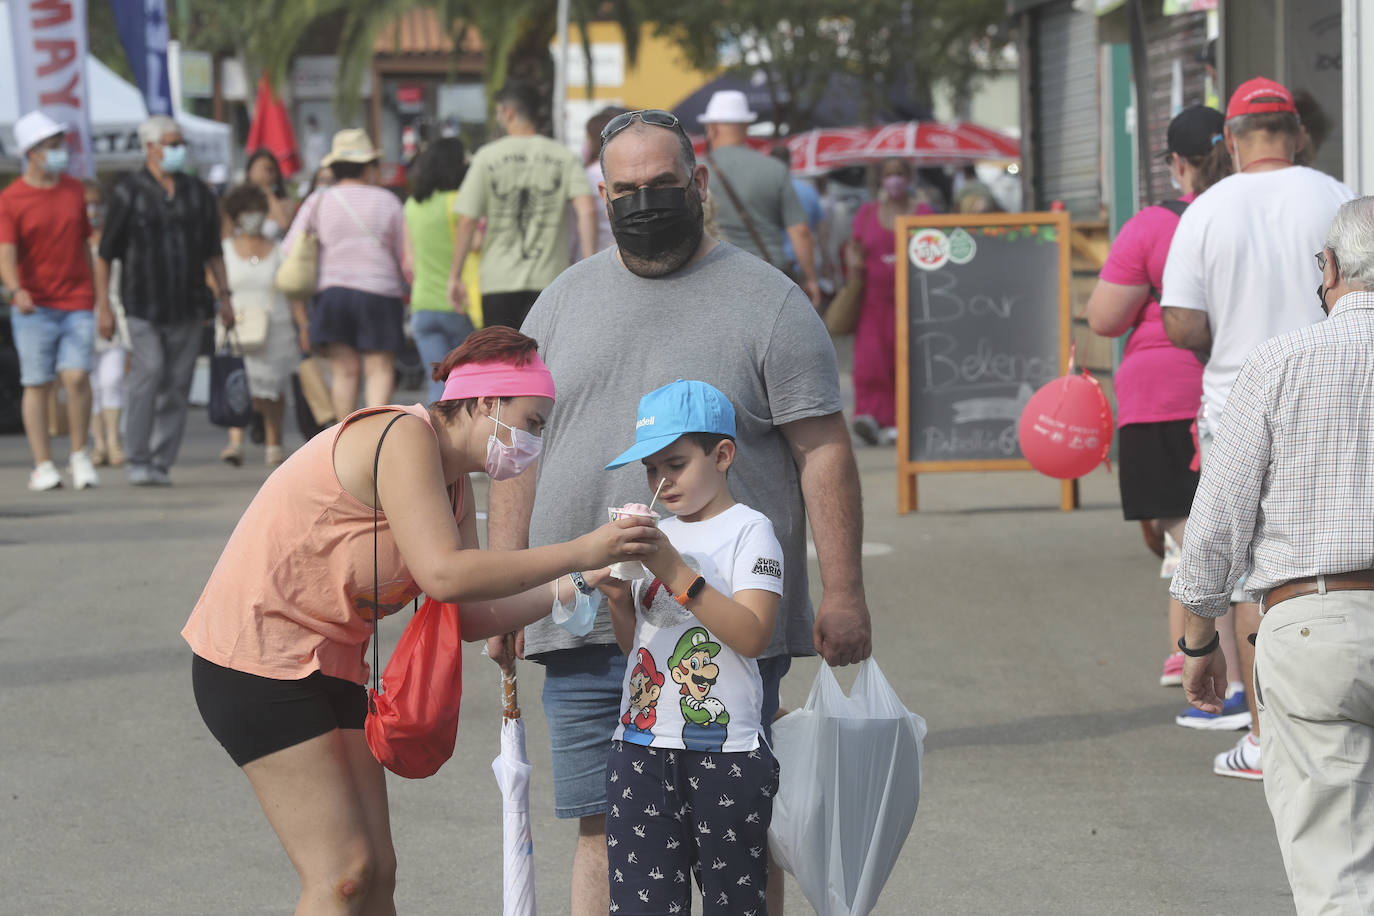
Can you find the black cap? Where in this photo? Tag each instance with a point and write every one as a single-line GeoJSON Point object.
{"type": "Point", "coordinates": [1192, 131]}
{"type": "Point", "coordinates": [1208, 54]}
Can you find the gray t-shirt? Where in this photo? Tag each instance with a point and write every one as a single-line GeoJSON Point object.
{"type": "Point", "coordinates": [610, 337]}
{"type": "Point", "coordinates": [764, 186]}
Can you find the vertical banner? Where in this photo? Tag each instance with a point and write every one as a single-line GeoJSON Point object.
{"type": "Point", "coordinates": [50, 70]}
{"type": "Point", "coordinates": [142, 27]}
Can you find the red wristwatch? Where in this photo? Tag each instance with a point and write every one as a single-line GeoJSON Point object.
{"type": "Point", "coordinates": [692, 591]}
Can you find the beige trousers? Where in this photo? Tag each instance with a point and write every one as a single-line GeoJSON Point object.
{"type": "Point", "coordinates": [1314, 688]}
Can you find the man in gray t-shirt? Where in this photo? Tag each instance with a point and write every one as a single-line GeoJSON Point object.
{"type": "Point", "coordinates": [762, 187]}
{"type": "Point", "coordinates": [671, 302]}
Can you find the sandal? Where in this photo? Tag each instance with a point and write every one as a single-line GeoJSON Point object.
{"type": "Point", "coordinates": [232, 454]}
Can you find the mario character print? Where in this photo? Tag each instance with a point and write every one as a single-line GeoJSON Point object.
{"type": "Point", "coordinates": [694, 669]}
{"type": "Point", "coordinates": [646, 684]}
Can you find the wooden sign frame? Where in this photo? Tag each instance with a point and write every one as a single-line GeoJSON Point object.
{"type": "Point", "coordinates": [908, 470]}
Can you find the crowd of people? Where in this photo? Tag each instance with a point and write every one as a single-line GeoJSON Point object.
{"type": "Point", "coordinates": [1244, 445]}
{"type": "Point", "coordinates": [1242, 407]}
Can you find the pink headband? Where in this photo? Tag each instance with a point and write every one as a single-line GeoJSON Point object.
{"type": "Point", "coordinates": [504, 380]}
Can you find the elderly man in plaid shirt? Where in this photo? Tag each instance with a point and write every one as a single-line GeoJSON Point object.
{"type": "Point", "coordinates": [1289, 495]}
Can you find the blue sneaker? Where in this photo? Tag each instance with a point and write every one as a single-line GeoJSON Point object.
{"type": "Point", "coordinates": [1234, 715]}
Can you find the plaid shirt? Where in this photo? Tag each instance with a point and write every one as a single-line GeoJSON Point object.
{"type": "Point", "coordinates": [1288, 488]}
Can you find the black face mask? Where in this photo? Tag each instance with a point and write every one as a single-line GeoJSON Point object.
{"type": "Point", "coordinates": [652, 221]}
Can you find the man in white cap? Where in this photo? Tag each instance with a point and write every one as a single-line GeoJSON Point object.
{"type": "Point", "coordinates": [45, 262]}
{"type": "Point", "coordinates": [163, 225]}
{"type": "Point", "coordinates": [755, 200]}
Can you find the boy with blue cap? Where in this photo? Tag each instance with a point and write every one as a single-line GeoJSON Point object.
{"type": "Point", "coordinates": [694, 790]}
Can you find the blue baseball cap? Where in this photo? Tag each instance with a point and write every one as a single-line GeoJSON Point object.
{"type": "Point", "coordinates": [668, 413]}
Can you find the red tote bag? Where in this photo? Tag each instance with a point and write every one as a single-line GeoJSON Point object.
{"type": "Point", "coordinates": [412, 714]}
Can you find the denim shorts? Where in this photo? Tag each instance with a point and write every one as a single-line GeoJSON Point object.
{"type": "Point", "coordinates": [582, 705]}
{"type": "Point", "coordinates": [50, 341]}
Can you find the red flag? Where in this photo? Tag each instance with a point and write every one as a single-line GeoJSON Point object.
{"type": "Point", "coordinates": [271, 130]}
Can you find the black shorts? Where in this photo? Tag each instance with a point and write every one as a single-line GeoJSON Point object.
{"type": "Point", "coordinates": [364, 321]}
{"type": "Point", "coordinates": [254, 716]}
{"type": "Point", "coordinates": [1153, 461]}
{"type": "Point", "coordinates": [507, 309]}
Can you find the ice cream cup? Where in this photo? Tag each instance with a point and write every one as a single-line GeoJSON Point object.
{"type": "Point", "coordinates": [630, 570]}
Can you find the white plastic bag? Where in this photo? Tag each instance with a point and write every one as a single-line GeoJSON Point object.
{"type": "Point", "coordinates": [850, 783]}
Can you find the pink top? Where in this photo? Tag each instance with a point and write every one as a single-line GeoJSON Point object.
{"type": "Point", "coordinates": [292, 591]}
{"type": "Point", "coordinates": [362, 253]}
{"type": "Point", "coordinates": [1156, 381]}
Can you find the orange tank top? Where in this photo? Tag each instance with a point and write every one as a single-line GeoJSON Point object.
{"type": "Point", "coordinates": [292, 592]}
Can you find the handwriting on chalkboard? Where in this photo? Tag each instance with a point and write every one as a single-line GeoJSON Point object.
{"type": "Point", "coordinates": [982, 335]}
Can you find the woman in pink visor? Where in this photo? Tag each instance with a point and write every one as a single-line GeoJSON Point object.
{"type": "Point", "coordinates": [281, 631]}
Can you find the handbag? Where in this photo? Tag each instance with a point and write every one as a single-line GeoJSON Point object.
{"type": "Point", "coordinates": [412, 708]}
{"type": "Point", "coordinates": [231, 402]}
{"type": "Point", "coordinates": [842, 315]}
{"type": "Point", "coordinates": [250, 329]}
{"type": "Point", "coordinates": [299, 271]}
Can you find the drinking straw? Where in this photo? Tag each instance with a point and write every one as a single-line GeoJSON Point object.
{"type": "Point", "coordinates": [661, 482]}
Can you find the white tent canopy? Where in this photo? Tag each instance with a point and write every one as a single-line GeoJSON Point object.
{"type": "Point", "coordinates": [117, 109]}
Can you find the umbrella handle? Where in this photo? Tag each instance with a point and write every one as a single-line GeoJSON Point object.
{"type": "Point", "coordinates": [512, 703]}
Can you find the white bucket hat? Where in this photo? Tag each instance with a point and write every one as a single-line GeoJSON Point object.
{"type": "Point", "coordinates": [728, 106]}
{"type": "Point", "coordinates": [33, 128]}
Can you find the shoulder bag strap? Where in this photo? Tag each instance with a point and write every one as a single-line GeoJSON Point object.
{"type": "Point", "coordinates": [739, 208]}
{"type": "Point", "coordinates": [368, 229]}
{"type": "Point", "coordinates": [376, 579]}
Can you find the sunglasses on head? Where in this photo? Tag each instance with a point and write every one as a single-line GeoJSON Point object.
{"type": "Point", "coordinates": [655, 116]}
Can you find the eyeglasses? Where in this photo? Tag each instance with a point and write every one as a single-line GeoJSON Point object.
{"type": "Point", "coordinates": [1321, 259]}
{"type": "Point", "coordinates": [655, 116]}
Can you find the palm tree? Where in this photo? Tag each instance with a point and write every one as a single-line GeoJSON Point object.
{"type": "Point", "coordinates": [516, 34]}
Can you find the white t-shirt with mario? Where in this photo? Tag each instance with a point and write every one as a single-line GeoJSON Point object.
{"type": "Point", "coordinates": [684, 688]}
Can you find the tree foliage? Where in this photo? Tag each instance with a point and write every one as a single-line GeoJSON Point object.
{"type": "Point", "coordinates": [799, 44]}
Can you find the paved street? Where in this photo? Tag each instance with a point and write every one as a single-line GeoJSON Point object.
{"type": "Point", "coordinates": [1029, 639]}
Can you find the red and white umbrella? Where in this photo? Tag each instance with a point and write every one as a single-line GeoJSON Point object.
{"type": "Point", "coordinates": [815, 152]}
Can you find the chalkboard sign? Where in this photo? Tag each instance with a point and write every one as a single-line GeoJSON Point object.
{"type": "Point", "coordinates": [982, 322]}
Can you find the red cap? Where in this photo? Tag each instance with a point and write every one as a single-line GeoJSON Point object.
{"type": "Point", "coordinates": [1258, 96]}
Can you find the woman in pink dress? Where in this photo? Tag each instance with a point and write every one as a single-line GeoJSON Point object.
{"type": "Point", "coordinates": [870, 257]}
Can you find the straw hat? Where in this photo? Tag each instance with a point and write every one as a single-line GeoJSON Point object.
{"type": "Point", "coordinates": [351, 145]}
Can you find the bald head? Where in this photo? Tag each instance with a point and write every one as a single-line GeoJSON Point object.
{"type": "Point", "coordinates": [646, 139]}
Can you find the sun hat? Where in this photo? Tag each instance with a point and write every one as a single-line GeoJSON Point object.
{"type": "Point", "coordinates": [1191, 131]}
{"type": "Point", "coordinates": [351, 145]}
{"type": "Point", "coordinates": [1260, 96]}
{"type": "Point", "coordinates": [33, 128]}
{"type": "Point", "coordinates": [667, 414]}
{"type": "Point", "coordinates": [728, 106]}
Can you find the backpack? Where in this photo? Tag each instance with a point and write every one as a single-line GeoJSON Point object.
{"type": "Point", "coordinates": [412, 708]}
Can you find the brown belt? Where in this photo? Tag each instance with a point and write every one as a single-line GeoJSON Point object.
{"type": "Point", "coordinates": [1360, 580]}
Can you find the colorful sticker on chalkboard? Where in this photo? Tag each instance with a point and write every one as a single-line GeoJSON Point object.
{"type": "Point", "coordinates": [929, 249]}
{"type": "Point", "coordinates": [961, 247]}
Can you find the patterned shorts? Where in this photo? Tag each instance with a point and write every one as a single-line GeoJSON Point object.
{"type": "Point", "coordinates": [672, 812]}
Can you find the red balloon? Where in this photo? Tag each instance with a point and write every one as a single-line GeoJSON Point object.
{"type": "Point", "coordinates": [1066, 427]}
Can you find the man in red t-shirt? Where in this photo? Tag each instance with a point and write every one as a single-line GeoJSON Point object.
{"type": "Point", "coordinates": [45, 262]}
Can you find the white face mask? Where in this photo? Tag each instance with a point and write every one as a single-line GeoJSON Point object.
{"type": "Point", "coordinates": [251, 223]}
{"type": "Point", "coordinates": [507, 461]}
{"type": "Point", "coordinates": [579, 620]}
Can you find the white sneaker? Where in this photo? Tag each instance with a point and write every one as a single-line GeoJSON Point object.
{"type": "Point", "coordinates": [1242, 761]}
{"type": "Point", "coordinates": [45, 477]}
{"type": "Point", "coordinates": [83, 471]}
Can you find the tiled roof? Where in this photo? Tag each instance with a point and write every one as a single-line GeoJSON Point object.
{"type": "Point", "coordinates": [419, 32]}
